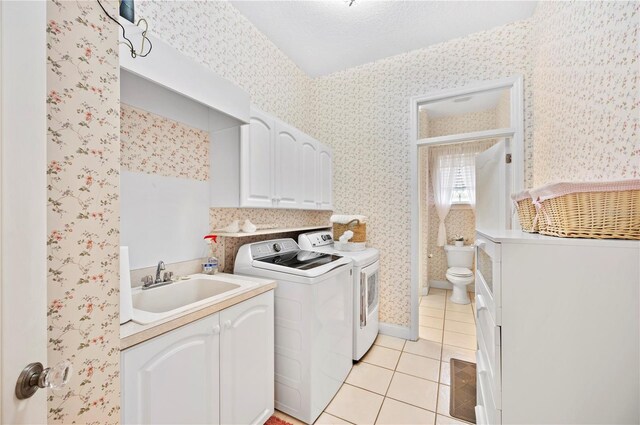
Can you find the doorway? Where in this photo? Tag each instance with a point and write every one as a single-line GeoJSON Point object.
{"type": "Point", "coordinates": [483, 113]}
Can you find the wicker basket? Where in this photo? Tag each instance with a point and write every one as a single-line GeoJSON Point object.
{"type": "Point", "coordinates": [359, 230]}
{"type": "Point", "coordinates": [606, 210]}
{"type": "Point", "coordinates": [527, 212]}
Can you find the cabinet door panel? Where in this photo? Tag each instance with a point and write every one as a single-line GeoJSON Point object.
{"type": "Point", "coordinates": [174, 377]}
{"type": "Point", "coordinates": [325, 179]}
{"type": "Point", "coordinates": [287, 181]}
{"type": "Point", "coordinates": [309, 173]}
{"type": "Point", "coordinates": [257, 161]}
{"type": "Point", "coordinates": [247, 361]}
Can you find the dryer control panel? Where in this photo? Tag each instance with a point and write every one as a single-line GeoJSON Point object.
{"type": "Point", "coordinates": [317, 239]}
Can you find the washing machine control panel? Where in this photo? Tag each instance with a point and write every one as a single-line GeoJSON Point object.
{"type": "Point", "coordinates": [267, 248]}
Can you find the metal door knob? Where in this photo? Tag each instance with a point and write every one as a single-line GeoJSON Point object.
{"type": "Point", "coordinates": [35, 376]}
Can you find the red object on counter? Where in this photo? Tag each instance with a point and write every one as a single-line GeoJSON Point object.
{"type": "Point", "coordinates": [214, 238]}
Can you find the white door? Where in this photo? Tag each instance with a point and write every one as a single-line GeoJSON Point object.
{"type": "Point", "coordinates": [173, 378]}
{"type": "Point", "coordinates": [492, 188]}
{"type": "Point", "coordinates": [325, 178]}
{"type": "Point", "coordinates": [23, 281]}
{"type": "Point", "coordinates": [309, 173]}
{"type": "Point", "coordinates": [247, 361]}
{"type": "Point", "coordinates": [256, 169]}
{"type": "Point", "coordinates": [287, 166]}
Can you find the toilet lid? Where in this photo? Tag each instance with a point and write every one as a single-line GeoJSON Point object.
{"type": "Point", "coordinates": [460, 271]}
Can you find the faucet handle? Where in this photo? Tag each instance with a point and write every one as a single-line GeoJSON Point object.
{"type": "Point", "coordinates": [168, 276]}
{"type": "Point", "coordinates": [147, 280]}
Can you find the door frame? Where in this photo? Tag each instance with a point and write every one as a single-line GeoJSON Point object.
{"type": "Point", "coordinates": [515, 132]}
{"type": "Point", "coordinates": [23, 203]}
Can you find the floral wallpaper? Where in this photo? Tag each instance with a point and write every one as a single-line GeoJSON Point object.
{"type": "Point", "coordinates": [363, 113]}
{"type": "Point", "coordinates": [83, 154]}
{"type": "Point", "coordinates": [153, 144]}
{"type": "Point", "coordinates": [464, 123]}
{"type": "Point", "coordinates": [221, 217]}
{"type": "Point", "coordinates": [215, 34]}
{"type": "Point", "coordinates": [587, 91]}
{"type": "Point", "coordinates": [226, 249]}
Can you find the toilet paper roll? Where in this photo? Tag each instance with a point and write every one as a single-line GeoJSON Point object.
{"type": "Point", "coordinates": [126, 302]}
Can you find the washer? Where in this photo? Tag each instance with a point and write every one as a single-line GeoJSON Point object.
{"type": "Point", "coordinates": [366, 279]}
{"type": "Point", "coordinates": [313, 322]}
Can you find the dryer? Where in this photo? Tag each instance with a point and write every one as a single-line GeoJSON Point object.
{"type": "Point", "coordinates": [313, 322]}
{"type": "Point", "coordinates": [366, 279]}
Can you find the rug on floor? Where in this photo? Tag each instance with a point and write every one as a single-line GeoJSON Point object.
{"type": "Point", "coordinates": [276, 421]}
{"type": "Point", "coordinates": [462, 404]}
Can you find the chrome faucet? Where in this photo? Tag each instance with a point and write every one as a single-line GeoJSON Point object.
{"type": "Point", "coordinates": [158, 270]}
{"type": "Point", "coordinates": [149, 281]}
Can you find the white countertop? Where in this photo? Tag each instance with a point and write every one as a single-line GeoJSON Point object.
{"type": "Point", "coordinates": [518, 236]}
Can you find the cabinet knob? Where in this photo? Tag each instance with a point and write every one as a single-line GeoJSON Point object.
{"type": "Point", "coordinates": [216, 329]}
{"type": "Point", "coordinates": [227, 324]}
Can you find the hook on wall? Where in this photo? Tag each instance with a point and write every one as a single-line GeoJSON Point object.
{"type": "Point", "coordinates": [134, 54]}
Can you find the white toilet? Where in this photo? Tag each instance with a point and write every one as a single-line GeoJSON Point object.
{"type": "Point", "coordinates": [459, 273]}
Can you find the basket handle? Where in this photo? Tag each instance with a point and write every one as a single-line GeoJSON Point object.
{"type": "Point", "coordinates": [350, 224]}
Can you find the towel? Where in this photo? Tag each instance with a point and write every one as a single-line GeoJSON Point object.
{"type": "Point", "coordinates": [344, 219]}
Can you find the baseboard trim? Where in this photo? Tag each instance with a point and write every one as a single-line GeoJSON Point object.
{"type": "Point", "coordinates": [443, 284]}
{"type": "Point", "coordinates": [440, 284]}
{"type": "Point", "coordinates": [394, 330]}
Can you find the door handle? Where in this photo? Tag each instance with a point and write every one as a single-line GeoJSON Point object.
{"type": "Point", "coordinates": [35, 376]}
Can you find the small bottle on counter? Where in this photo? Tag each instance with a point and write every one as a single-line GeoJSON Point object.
{"type": "Point", "coordinates": [211, 266]}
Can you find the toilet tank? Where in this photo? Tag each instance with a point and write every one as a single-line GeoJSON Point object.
{"type": "Point", "coordinates": [460, 256]}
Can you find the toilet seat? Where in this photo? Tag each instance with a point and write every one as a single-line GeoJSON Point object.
{"type": "Point", "coordinates": [459, 272]}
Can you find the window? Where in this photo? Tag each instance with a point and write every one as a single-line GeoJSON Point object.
{"type": "Point", "coordinates": [460, 192]}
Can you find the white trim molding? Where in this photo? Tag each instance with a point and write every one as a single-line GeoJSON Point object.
{"type": "Point", "coordinates": [398, 331]}
{"type": "Point", "coordinates": [515, 133]}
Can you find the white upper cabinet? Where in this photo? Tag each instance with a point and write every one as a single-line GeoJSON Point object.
{"type": "Point", "coordinates": [287, 166]}
{"type": "Point", "coordinates": [309, 173]}
{"type": "Point", "coordinates": [325, 178]}
{"type": "Point", "coordinates": [257, 179]}
{"type": "Point", "coordinates": [281, 167]}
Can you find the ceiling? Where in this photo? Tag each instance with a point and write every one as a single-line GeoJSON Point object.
{"type": "Point", "coordinates": [477, 102]}
{"type": "Point", "coordinates": [323, 37]}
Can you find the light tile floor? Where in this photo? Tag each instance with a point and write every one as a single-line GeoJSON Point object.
{"type": "Point", "coordinates": [407, 382]}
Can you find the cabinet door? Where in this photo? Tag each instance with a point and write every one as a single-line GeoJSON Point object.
{"type": "Point", "coordinates": [173, 378]}
{"type": "Point", "coordinates": [325, 178]}
{"type": "Point", "coordinates": [247, 361]}
{"type": "Point", "coordinates": [309, 173]}
{"type": "Point", "coordinates": [287, 166]}
{"type": "Point", "coordinates": [256, 170]}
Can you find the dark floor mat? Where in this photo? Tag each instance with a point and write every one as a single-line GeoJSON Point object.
{"type": "Point", "coordinates": [462, 403]}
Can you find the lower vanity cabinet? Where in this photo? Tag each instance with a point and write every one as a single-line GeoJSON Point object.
{"type": "Point", "coordinates": [247, 361]}
{"type": "Point", "coordinates": [219, 369]}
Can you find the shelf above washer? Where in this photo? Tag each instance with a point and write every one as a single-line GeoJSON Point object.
{"type": "Point", "coordinates": [269, 231]}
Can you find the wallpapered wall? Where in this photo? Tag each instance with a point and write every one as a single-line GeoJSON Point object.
{"type": "Point", "coordinates": [83, 152]}
{"type": "Point", "coordinates": [586, 87]}
{"type": "Point", "coordinates": [154, 144]}
{"type": "Point", "coordinates": [363, 113]}
{"type": "Point", "coordinates": [215, 34]}
{"type": "Point", "coordinates": [587, 91]}
{"type": "Point", "coordinates": [226, 248]}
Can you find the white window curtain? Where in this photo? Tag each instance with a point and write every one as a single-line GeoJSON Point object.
{"type": "Point", "coordinates": [443, 175]}
{"type": "Point", "coordinates": [447, 162]}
